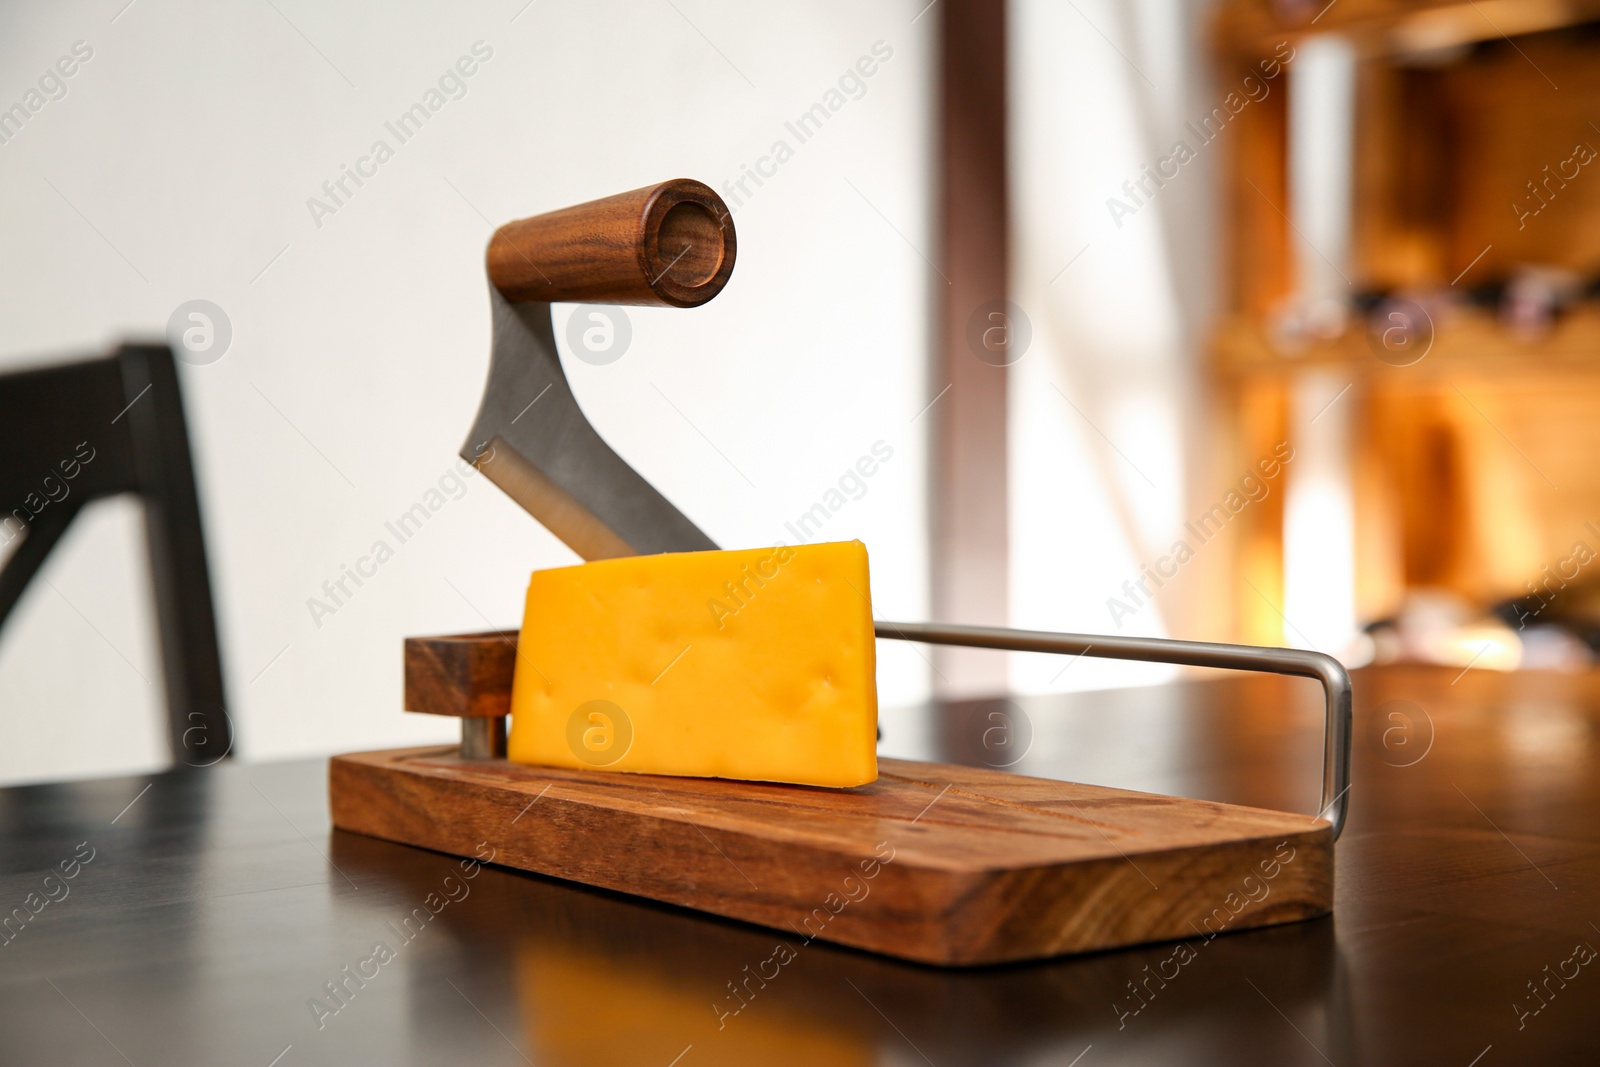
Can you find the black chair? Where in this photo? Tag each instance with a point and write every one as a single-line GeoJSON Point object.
{"type": "Point", "coordinates": [71, 434]}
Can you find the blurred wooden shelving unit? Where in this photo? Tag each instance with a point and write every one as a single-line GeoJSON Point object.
{"type": "Point", "coordinates": [1470, 470]}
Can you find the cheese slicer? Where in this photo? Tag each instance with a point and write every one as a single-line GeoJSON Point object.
{"type": "Point", "coordinates": [1010, 868]}
{"type": "Point", "coordinates": [673, 244]}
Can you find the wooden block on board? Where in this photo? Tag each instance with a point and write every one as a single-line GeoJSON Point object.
{"type": "Point", "coordinates": [932, 862]}
{"type": "Point", "coordinates": [464, 675]}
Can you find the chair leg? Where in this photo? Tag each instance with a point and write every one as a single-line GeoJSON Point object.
{"type": "Point", "coordinates": [198, 720]}
{"type": "Point", "coordinates": [41, 536]}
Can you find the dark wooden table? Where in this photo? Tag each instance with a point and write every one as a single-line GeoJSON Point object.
{"type": "Point", "coordinates": [217, 907]}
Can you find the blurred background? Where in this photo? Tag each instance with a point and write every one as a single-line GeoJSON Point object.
{"type": "Point", "coordinates": [1252, 320]}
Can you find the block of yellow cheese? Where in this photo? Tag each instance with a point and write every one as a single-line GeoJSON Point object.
{"type": "Point", "coordinates": [754, 664]}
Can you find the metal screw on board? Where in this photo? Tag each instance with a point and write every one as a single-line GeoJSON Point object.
{"type": "Point", "coordinates": [483, 738]}
{"type": "Point", "coordinates": [465, 676]}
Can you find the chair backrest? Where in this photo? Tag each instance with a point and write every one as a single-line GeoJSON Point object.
{"type": "Point", "coordinates": [70, 434]}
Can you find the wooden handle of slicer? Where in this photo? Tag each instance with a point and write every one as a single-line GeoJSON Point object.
{"type": "Point", "coordinates": [671, 243]}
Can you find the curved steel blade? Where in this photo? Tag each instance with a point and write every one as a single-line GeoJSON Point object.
{"type": "Point", "coordinates": [532, 440]}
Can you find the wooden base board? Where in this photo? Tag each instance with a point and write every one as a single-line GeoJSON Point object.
{"type": "Point", "coordinates": [936, 863]}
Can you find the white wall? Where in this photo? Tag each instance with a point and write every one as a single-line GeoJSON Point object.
{"type": "Point", "coordinates": [181, 159]}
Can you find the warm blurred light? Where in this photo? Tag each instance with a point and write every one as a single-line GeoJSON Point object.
{"type": "Point", "coordinates": [1318, 525]}
{"type": "Point", "coordinates": [1547, 734]}
{"type": "Point", "coordinates": [1486, 646]}
{"type": "Point", "coordinates": [1319, 554]}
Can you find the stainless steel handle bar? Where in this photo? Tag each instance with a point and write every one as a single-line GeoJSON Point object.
{"type": "Point", "coordinates": [1325, 669]}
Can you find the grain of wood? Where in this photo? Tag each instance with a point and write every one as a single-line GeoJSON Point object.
{"type": "Point", "coordinates": [463, 675]}
{"type": "Point", "coordinates": [967, 865]}
{"type": "Point", "coordinates": [671, 244]}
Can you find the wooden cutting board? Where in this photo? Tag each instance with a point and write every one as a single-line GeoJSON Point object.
{"type": "Point", "coordinates": [936, 863]}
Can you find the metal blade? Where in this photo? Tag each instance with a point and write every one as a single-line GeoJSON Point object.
{"type": "Point", "coordinates": [532, 440]}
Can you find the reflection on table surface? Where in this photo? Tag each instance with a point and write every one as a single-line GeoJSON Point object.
{"type": "Point", "coordinates": [221, 921]}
